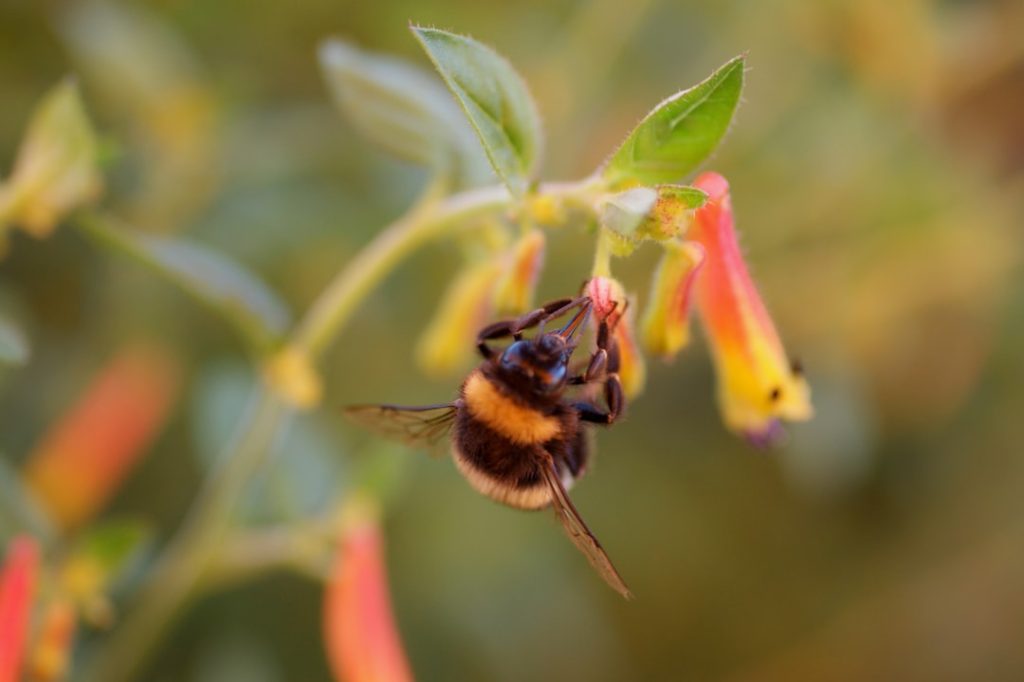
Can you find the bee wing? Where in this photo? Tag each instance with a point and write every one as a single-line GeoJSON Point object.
{"type": "Point", "coordinates": [415, 426]}
{"type": "Point", "coordinates": [577, 529]}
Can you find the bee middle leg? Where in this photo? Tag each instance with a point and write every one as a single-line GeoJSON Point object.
{"type": "Point", "coordinates": [515, 328]}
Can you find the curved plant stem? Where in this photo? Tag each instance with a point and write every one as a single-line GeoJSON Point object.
{"type": "Point", "coordinates": [191, 553]}
{"type": "Point", "coordinates": [194, 551]}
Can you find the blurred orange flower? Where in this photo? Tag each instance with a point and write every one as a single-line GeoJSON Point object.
{"type": "Point", "coordinates": [515, 289]}
{"type": "Point", "coordinates": [84, 457]}
{"type": "Point", "coordinates": [17, 586]}
{"type": "Point", "coordinates": [363, 644]}
{"type": "Point", "coordinates": [757, 385]}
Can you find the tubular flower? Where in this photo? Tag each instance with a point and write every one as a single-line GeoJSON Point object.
{"type": "Point", "coordinates": [447, 342]}
{"type": "Point", "coordinates": [84, 457]}
{"type": "Point", "coordinates": [56, 169]}
{"type": "Point", "coordinates": [51, 652]}
{"type": "Point", "coordinates": [665, 327]}
{"type": "Point", "coordinates": [515, 290]}
{"type": "Point", "coordinates": [757, 385]}
{"type": "Point", "coordinates": [17, 585]}
{"type": "Point", "coordinates": [612, 305]}
{"type": "Point", "coordinates": [362, 642]}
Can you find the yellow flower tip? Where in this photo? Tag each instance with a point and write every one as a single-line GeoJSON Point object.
{"type": "Point", "coordinates": [56, 169]}
{"type": "Point", "coordinates": [665, 328]}
{"type": "Point", "coordinates": [447, 343]}
{"type": "Point", "coordinates": [547, 210]}
{"type": "Point", "coordinates": [291, 373]}
{"type": "Point", "coordinates": [515, 289]}
{"type": "Point", "coordinates": [757, 385]}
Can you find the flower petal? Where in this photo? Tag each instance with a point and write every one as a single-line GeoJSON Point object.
{"type": "Point", "coordinates": [666, 324]}
{"type": "Point", "coordinates": [447, 343]}
{"type": "Point", "coordinates": [363, 644]}
{"type": "Point", "coordinates": [17, 586]}
{"type": "Point", "coordinates": [84, 457]}
{"type": "Point", "coordinates": [514, 294]}
{"type": "Point", "coordinates": [757, 385]}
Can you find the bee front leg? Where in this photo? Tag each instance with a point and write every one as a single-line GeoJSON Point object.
{"type": "Point", "coordinates": [515, 328]}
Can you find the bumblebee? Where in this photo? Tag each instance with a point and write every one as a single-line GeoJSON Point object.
{"type": "Point", "coordinates": [516, 435]}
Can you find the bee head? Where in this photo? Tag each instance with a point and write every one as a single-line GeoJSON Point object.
{"type": "Point", "coordinates": [540, 364]}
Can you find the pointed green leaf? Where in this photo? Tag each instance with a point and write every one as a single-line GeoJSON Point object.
{"type": "Point", "coordinates": [402, 108]}
{"type": "Point", "coordinates": [494, 98]}
{"type": "Point", "coordinates": [14, 349]}
{"type": "Point", "coordinates": [210, 277]}
{"type": "Point", "coordinates": [678, 134]}
{"type": "Point", "coordinates": [687, 196]}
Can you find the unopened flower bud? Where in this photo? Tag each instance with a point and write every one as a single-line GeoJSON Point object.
{"type": "Point", "coordinates": [611, 305]}
{"type": "Point", "coordinates": [291, 373]}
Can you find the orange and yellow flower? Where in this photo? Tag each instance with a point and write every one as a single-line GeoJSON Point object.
{"type": "Point", "coordinates": [665, 328]}
{"type": "Point", "coordinates": [757, 384]}
{"type": "Point", "coordinates": [82, 460]}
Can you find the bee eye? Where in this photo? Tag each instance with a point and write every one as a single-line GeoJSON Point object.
{"type": "Point", "coordinates": [515, 355]}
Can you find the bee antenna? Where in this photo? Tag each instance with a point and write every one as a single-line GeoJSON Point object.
{"type": "Point", "coordinates": [578, 320]}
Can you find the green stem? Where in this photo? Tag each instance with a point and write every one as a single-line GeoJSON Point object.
{"type": "Point", "coordinates": [177, 575]}
{"type": "Point", "coordinates": [426, 221]}
{"type": "Point", "coordinates": [193, 552]}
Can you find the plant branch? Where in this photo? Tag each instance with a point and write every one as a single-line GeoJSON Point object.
{"type": "Point", "coordinates": [193, 553]}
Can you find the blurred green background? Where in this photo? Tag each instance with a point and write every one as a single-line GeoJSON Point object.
{"type": "Point", "coordinates": [877, 170]}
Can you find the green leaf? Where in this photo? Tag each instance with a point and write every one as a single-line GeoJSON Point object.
{"type": "Point", "coordinates": [208, 276]}
{"type": "Point", "coordinates": [304, 473]}
{"type": "Point", "coordinates": [14, 348]}
{"type": "Point", "coordinates": [678, 134]}
{"type": "Point", "coordinates": [494, 98]}
{"type": "Point", "coordinates": [20, 512]}
{"type": "Point", "coordinates": [404, 109]}
{"type": "Point", "coordinates": [687, 196]}
{"type": "Point", "coordinates": [114, 543]}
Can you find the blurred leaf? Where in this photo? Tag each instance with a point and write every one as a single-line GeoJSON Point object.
{"type": "Point", "coordinates": [678, 134]}
{"type": "Point", "coordinates": [403, 109]}
{"type": "Point", "coordinates": [56, 170]}
{"type": "Point", "coordinates": [303, 475]}
{"type": "Point", "coordinates": [690, 197]}
{"type": "Point", "coordinates": [19, 511]}
{"type": "Point", "coordinates": [112, 544]}
{"type": "Point", "coordinates": [494, 98]}
{"type": "Point", "coordinates": [14, 348]}
{"type": "Point", "coordinates": [208, 276]}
